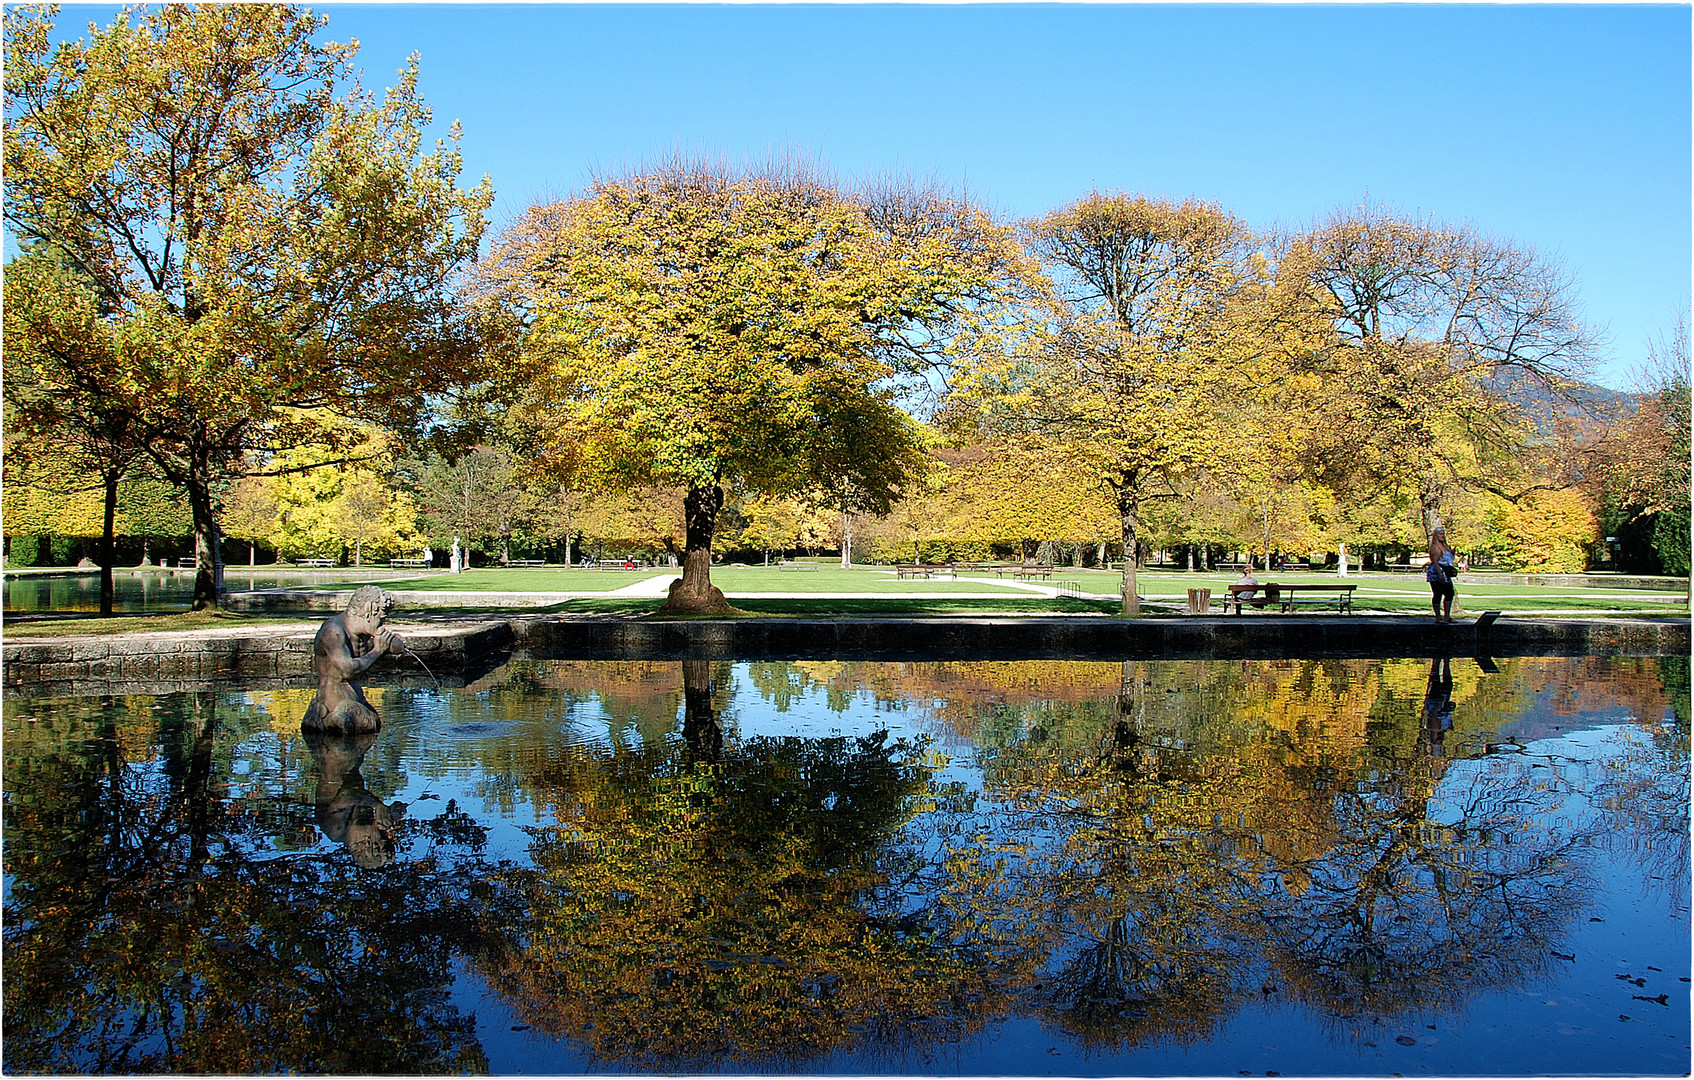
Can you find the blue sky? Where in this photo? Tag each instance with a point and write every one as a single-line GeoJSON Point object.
{"type": "Point", "coordinates": [1566, 128]}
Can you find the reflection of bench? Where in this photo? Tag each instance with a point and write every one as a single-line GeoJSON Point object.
{"type": "Point", "coordinates": [419, 563]}
{"type": "Point", "coordinates": [314, 562]}
{"type": "Point", "coordinates": [1288, 597]}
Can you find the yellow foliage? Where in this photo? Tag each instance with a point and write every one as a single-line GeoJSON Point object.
{"type": "Point", "coordinates": [1549, 533]}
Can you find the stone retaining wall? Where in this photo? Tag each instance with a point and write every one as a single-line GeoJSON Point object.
{"type": "Point", "coordinates": [962, 637]}
{"type": "Point", "coordinates": [283, 657]}
{"type": "Point", "coordinates": [260, 658]}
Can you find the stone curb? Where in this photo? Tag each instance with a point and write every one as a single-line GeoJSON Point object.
{"type": "Point", "coordinates": [135, 662]}
{"type": "Point", "coordinates": [965, 637]}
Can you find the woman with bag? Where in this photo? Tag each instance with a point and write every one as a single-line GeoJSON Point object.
{"type": "Point", "coordinates": [1440, 573]}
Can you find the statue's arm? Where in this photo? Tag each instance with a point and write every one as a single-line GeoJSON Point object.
{"type": "Point", "coordinates": [339, 654]}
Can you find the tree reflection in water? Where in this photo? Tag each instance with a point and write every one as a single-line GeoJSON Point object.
{"type": "Point", "coordinates": [1192, 869]}
{"type": "Point", "coordinates": [708, 900]}
{"type": "Point", "coordinates": [154, 927]}
{"type": "Point", "coordinates": [1143, 851]}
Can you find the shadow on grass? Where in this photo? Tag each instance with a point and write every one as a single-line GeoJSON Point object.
{"type": "Point", "coordinates": [73, 624]}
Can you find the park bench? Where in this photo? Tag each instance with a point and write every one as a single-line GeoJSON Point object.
{"type": "Point", "coordinates": [187, 562]}
{"type": "Point", "coordinates": [616, 564]}
{"type": "Point", "coordinates": [314, 562]}
{"type": "Point", "coordinates": [404, 562]}
{"type": "Point", "coordinates": [924, 570]}
{"type": "Point", "coordinates": [1288, 597]}
{"type": "Point", "coordinates": [792, 564]}
{"type": "Point", "coordinates": [1031, 570]}
{"type": "Point", "coordinates": [525, 562]}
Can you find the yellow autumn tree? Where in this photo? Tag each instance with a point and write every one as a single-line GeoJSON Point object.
{"type": "Point", "coordinates": [1136, 363]}
{"type": "Point", "coordinates": [737, 332]}
{"type": "Point", "coordinates": [1548, 532]}
{"type": "Point", "coordinates": [1429, 356]}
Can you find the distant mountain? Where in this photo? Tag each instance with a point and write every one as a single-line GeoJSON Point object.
{"type": "Point", "coordinates": [1576, 401]}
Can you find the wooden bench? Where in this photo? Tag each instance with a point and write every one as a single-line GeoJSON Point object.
{"type": "Point", "coordinates": [924, 569]}
{"type": "Point", "coordinates": [791, 564]}
{"type": "Point", "coordinates": [414, 563]}
{"type": "Point", "coordinates": [1030, 570]}
{"type": "Point", "coordinates": [525, 562]}
{"type": "Point", "coordinates": [1287, 597]}
{"type": "Point", "coordinates": [314, 562]}
{"type": "Point", "coordinates": [187, 562]}
{"type": "Point", "coordinates": [616, 564]}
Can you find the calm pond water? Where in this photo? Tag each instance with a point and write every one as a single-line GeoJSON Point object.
{"type": "Point", "coordinates": [152, 590]}
{"type": "Point", "coordinates": [1011, 868]}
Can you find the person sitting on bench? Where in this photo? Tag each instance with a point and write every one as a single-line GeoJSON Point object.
{"type": "Point", "coordinates": [1247, 578]}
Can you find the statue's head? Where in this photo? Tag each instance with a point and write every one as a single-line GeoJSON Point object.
{"type": "Point", "coordinates": [370, 603]}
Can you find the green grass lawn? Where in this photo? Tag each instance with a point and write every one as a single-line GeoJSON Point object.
{"type": "Point", "coordinates": [1398, 593]}
{"type": "Point", "coordinates": [731, 578]}
{"type": "Point", "coordinates": [737, 578]}
{"type": "Point", "coordinates": [499, 579]}
{"type": "Point", "coordinates": [1407, 593]}
{"type": "Point", "coordinates": [881, 593]}
{"type": "Point", "coordinates": [892, 606]}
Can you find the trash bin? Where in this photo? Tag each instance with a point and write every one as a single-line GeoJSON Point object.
{"type": "Point", "coordinates": [1199, 601]}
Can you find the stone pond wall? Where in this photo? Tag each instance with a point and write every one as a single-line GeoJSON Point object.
{"type": "Point", "coordinates": [262, 658]}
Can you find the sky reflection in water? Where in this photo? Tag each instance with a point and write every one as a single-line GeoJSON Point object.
{"type": "Point", "coordinates": [1344, 867]}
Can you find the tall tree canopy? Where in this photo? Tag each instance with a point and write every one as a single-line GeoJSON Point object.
{"type": "Point", "coordinates": [252, 239]}
{"type": "Point", "coordinates": [1135, 365]}
{"type": "Point", "coordinates": [1424, 338]}
{"type": "Point", "coordinates": [711, 329]}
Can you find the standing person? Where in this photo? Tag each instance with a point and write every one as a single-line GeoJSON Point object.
{"type": "Point", "coordinates": [1440, 574]}
{"type": "Point", "coordinates": [429, 557]}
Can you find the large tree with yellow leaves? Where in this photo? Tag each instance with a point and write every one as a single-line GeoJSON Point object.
{"type": "Point", "coordinates": [734, 331]}
{"type": "Point", "coordinates": [226, 235]}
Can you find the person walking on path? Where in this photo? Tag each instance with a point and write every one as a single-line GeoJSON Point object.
{"type": "Point", "coordinates": [1440, 574]}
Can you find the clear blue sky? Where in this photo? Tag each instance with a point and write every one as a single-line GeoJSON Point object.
{"type": "Point", "coordinates": [1566, 128]}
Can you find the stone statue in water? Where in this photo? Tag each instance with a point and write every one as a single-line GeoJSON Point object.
{"type": "Point", "coordinates": [345, 648]}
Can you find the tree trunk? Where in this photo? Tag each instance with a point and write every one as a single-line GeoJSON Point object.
{"type": "Point", "coordinates": [109, 544]}
{"type": "Point", "coordinates": [208, 565]}
{"type": "Point", "coordinates": [694, 593]}
{"type": "Point", "coordinates": [1267, 538]}
{"type": "Point", "coordinates": [1128, 511]}
{"type": "Point", "coordinates": [846, 540]}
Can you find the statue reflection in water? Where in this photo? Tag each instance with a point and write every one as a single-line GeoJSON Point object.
{"type": "Point", "coordinates": [345, 648]}
{"type": "Point", "coordinates": [340, 726]}
{"type": "Point", "coordinates": [348, 812]}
